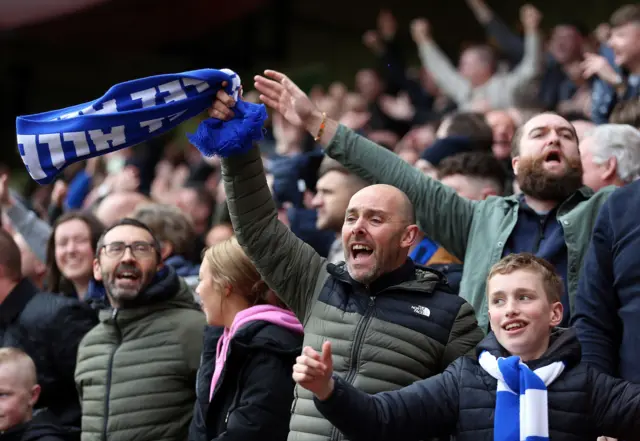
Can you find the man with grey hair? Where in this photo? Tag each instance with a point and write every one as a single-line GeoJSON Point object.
{"type": "Point", "coordinates": [610, 155]}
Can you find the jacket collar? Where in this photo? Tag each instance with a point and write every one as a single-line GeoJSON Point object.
{"type": "Point", "coordinates": [16, 301]}
{"type": "Point", "coordinates": [167, 291]}
{"type": "Point", "coordinates": [406, 273]}
{"type": "Point", "coordinates": [563, 346]}
{"type": "Point", "coordinates": [582, 194]}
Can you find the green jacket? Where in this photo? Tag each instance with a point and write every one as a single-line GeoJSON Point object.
{"type": "Point", "coordinates": [473, 231]}
{"type": "Point", "coordinates": [402, 328]}
{"type": "Point", "coordinates": [136, 369]}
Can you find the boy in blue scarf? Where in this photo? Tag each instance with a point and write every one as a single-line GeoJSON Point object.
{"type": "Point", "coordinates": [527, 382]}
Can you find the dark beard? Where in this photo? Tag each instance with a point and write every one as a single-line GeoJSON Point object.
{"type": "Point", "coordinates": [536, 182]}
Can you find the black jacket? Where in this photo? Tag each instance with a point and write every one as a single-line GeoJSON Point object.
{"type": "Point", "coordinates": [253, 396]}
{"type": "Point", "coordinates": [49, 328]}
{"type": "Point", "coordinates": [43, 427]}
{"type": "Point", "coordinates": [583, 403]}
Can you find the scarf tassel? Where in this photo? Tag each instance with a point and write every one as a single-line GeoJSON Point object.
{"type": "Point", "coordinates": [233, 137]}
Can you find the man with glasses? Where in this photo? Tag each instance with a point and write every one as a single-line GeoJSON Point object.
{"type": "Point", "coordinates": [136, 369]}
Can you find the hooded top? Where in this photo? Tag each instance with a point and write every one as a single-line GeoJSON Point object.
{"type": "Point", "coordinates": [267, 313]}
{"type": "Point", "coordinates": [43, 427]}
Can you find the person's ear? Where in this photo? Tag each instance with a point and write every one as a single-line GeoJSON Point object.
{"type": "Point", "coordinates": [166, 249]}
{"type": "Point", "coordinates": [556, 314]}
{"type": "Point", "coordinates": [35, 395]}
{"type": "Point", "coordinates": [410, 236]}
{"type": "Point", "coordinates": [97, 270]}
{"type": "Point", "coordinates": [609, 169]}
{"type": "Point", "coordinates": [514, 164]}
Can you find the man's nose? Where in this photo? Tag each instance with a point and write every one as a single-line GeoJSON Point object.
{"type": "Point", "coordinates": [316, 201]}
{"type": "Point", "coordinates": [359, 227]}
{"type": "Point", "coordinates": [127, 256]}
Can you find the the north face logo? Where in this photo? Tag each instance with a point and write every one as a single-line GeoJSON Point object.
{"type": "Point", "coordinates": [422, 310]}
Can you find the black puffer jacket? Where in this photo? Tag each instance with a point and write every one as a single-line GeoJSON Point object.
{"type": "Point", "coordinates": [43, 427]}
{"type": "Point", "coordinates": [252, 399]}
{"type": "Point", "coordinates": [583, 403]}
{"type": "Point", "coordinates": [49, 328]}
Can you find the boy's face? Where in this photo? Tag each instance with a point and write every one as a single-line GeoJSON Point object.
{"type": "Point", "coordinates": [17, 396]}
{"type": "Point", "coordinates": [520, 314]}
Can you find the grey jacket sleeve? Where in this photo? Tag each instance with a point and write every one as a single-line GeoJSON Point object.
{"type": "Point", "coordinates": [289, 266]}
{"type": "Point", "coordinates": [531, 65]}
{"type": "Point", "coordinates": [36, 232]}
{"type": "Point", "coordinates": [454, 85]}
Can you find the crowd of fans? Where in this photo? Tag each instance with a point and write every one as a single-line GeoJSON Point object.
{"type": "Point", "coordinates": [385, 240]}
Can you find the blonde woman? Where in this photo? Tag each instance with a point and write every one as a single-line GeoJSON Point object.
{"type": "Point", "coordinates": [244, 384]}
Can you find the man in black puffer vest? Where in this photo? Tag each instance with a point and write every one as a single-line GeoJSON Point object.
{"type": "Point", "coordinates": [48, 328]}
{"type": "Point", "coordinates": [392, 322]}
{"type": "Point", "coordinates": [526, 370]}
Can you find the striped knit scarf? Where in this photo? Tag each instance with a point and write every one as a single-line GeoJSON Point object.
{"type": "Point", "coordinates": [133, 112]}
{"type": "Point", "coordinates": [521, 400]}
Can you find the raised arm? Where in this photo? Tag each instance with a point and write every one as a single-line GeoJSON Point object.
{"type": "Point", "coordinates": [289, 266]}
{"type": "Point", "coordinates": [507, 40]}
{"type": "Point", "coordinates": [441, 214]}
{"type": "Point", "coordinates": [36, 232]}
{"type": "Point", "coordinates": [445, 75]}
{"type": "Point", "coordinates": [530, 66]}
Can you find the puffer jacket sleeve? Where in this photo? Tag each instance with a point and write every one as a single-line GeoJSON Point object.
{"type": "Point", "coordinates": [262, 410]}
{"type": "Point", "coordinates": [615, 405]}
{"type": "Point", "coordinates": [465, 335]}
{"type": "Point", "coordinates": [426, 409]}
{"type": "Point", "coordinates": [289, 266]}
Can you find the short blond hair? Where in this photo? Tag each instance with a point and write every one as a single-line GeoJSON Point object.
{"type": "Point", "coordinates": [25, 364]}
{"type": "Point", "coordinates": [552, 282]}
{"type": "Point", "coordinates": [230, 266]}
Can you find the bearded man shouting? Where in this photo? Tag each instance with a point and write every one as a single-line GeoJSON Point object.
{"type": "Point", "coordinates": [553, 216]}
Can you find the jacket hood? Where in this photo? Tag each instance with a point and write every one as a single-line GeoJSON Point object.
{"type": "Point", "coordinates": [563, 346]}
{"type": "Point", "coordinates": [45, 424]}
{"type": "Point", "coordinates": [249, 335]}
{"type": "Point", "coordinates": [269, 338]}
{"type": "Point", "coordinates": [166, 291]}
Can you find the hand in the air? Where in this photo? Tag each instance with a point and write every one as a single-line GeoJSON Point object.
{"type": "Point", "coordinates": [281, 94]}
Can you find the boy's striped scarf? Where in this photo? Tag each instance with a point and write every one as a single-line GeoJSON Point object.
{"type": "Point", "coordinates": [133, 112]}
{"type": "Point", "coordinates": [521, 400]}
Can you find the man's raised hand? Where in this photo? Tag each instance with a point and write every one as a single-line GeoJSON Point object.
{"type": "Point", "coordinates": [313, 371]}
{"type": "Point", "coordinates": [281, 94]}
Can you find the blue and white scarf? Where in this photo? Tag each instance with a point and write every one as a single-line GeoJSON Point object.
{"type": "Point", "coordinates": [133, 112]}
{"type": "Point", "coordinates": [521, 412]}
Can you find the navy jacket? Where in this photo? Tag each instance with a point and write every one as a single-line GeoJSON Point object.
{"type": "Point", "coordinates": [608, 301]}
{"type": "Point", "coordinates": [583, 403]}
{"type": "Point", "coordinates": [253, 396]}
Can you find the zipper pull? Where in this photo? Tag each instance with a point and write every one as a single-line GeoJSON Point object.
{"type": "Point", "coordinates": [372, 300]}
{"type": "Point", "coordinates": [114, 314]}
{"type": "Point", "coordinates": [226, 418]}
